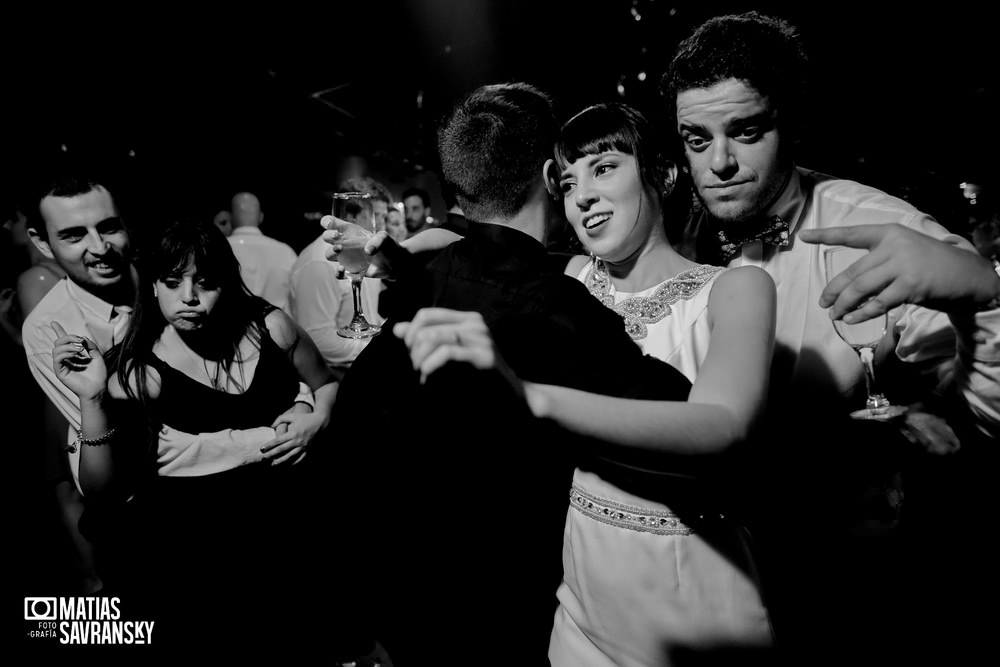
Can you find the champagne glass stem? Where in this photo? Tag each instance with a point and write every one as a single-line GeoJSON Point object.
{"type": "Point", "coordinates": [359, 311]}
{"type": "Point", "coordinates": [875, 398]}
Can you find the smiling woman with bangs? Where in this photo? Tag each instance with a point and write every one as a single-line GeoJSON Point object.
{"type": "Point", "coordinates": [674, 573]}
{"type": "Point", "coordinates": [657, 562]}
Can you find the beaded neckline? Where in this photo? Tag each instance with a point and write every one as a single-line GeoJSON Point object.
{"type": "Point", "coordinates": [640, 311]}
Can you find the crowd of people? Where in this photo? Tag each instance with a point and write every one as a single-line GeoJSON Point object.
{"type": "Point", "coordinates": [619, 431]}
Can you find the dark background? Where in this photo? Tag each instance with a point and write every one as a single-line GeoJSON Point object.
{"type": "Point", "coordinates": [197, 103]}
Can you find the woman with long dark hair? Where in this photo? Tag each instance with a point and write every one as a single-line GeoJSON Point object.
{"type": "Point", "coordinates": [215, 371]}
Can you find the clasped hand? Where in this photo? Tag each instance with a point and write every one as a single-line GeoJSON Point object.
{"type": "Point", "coordinates": [295, 430]}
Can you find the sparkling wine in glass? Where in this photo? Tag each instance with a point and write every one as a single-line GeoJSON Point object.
{"type": "Point", "coordinates": [864, 337]}
{"type": "Point", "coordinates": [357, 209]}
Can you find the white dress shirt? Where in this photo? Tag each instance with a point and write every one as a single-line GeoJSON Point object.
{"type": "Point", "coordinates": [806, 340]}
{"type": "Point", "coordinates": [265, 264]}
{"type": "Point", "coordinates": [321, 304]}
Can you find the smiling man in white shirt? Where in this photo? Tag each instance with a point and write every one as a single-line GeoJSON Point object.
{"type": "Point", "coordinates": [76, 224]}
{"type": "Point", "coordinates": [322, 302]}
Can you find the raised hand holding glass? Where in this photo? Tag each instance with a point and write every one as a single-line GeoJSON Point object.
{"type": "Point", "coordinates": [356, 209]}
{"type": "Point", "coordinates": [864, 337]}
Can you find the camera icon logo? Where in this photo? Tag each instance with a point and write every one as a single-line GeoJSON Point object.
{"type": "Point", "coordinates": [40, 609]}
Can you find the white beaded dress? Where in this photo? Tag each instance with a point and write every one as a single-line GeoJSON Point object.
{"type": "Point", "coordinates": [640, 587]}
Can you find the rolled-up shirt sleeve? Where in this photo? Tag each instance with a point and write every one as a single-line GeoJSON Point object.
{"type": "Point", "coordinates": [965, 346]}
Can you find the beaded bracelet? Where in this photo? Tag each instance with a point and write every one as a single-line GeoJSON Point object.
{"type": "Point", "coordinates": [92, 442]}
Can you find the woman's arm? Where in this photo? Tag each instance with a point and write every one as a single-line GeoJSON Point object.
{"type": "Point", "coordinates": [308, 361]}
{"type": "Point", "coordinates": [79, 365]}
{"type": "Point", "coordinates": [105, 467]}
{"type": "Point", "coordinates": [290, 445]}
{"type": "Point", "coordinates": [97, 466]}
{"type": "Point", "coordinates": [728, 395]}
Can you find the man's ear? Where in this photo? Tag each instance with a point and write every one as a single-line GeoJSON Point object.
{"type": "Point", "coordinates": [40, 243]}
{"type": "Point", "coordinates": [550, 175]}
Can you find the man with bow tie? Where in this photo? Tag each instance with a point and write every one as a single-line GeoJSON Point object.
{"type": "Point", "coordinates": [737, 111]}
{"type": "Point", "coordinates": [735, 87]}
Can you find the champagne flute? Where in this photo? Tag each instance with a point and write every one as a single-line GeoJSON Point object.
{"type": "Point", "coordinates": [864, 337]}
{"type": "Point", "coordinates": [355, 208]}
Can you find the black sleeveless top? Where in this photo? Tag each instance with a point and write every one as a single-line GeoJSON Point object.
{"type": "Point", "coordinates": [192, 407]}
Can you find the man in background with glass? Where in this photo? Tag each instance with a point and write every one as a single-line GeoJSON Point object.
{"type": "Point", "coordinates": [321, 301]}
{"type": "Point", "coordinates": [736, 90]}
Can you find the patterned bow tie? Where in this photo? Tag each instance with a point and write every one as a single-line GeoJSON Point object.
{"type": "Point", "coordinates": [773, 232]}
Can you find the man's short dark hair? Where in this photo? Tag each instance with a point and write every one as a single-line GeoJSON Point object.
{"type": "Point", "coordinates": [369, 185]}
{"type": "Point", "coordinates": [764, 52]}
{"type": "Point", "coordinates": [493, 146]}
{"type": "Point", "coordinates": [417, 192]}
{"type": "Point", "coordinates": [61, 182]}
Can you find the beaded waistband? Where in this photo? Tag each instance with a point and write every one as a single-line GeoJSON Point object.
{"type": "Point", "coordinates": [640, 519]}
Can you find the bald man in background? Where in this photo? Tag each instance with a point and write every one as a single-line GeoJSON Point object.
{"type": "Point", "coordinates": [265, 263]}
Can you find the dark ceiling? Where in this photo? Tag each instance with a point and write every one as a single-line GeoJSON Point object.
{"type": "Point", "coordinates": [200, 103]}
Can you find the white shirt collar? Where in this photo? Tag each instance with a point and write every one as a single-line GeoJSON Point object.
{"type": "Point", "coordinates": [96, 305]}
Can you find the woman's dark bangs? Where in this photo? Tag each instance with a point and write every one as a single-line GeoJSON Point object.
{"type": "Point", "coordinates": [591, 132]}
